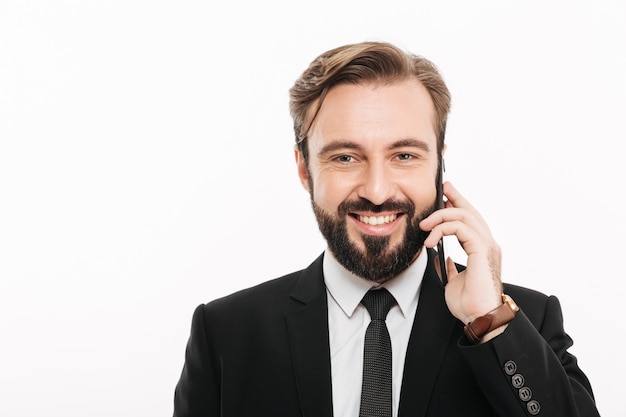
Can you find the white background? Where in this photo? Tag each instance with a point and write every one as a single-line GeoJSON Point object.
{"type": "Point", "coordinates": [146, 166]}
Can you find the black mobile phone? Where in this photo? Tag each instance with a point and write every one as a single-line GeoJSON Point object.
{"type": "Point", "coordinates": [440, 205]}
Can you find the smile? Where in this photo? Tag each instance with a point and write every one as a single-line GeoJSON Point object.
{"type": "Point", "coordinates": [377, 225]}
{"type": "Point", "coordinates": [377, 220]}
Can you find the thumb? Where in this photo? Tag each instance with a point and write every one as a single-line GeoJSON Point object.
{"type": "Point", "coordinates": [451, 268]}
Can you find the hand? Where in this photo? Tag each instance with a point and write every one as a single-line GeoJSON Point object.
{"type": "Point", "coordinates": [476, 290]}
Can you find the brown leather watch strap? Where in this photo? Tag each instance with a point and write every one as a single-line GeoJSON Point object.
{"type": "Point", "coordinates": [497, 317]}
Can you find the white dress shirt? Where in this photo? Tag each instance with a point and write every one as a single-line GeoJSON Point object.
{"type": "Point", "coordinates": [348, 319]}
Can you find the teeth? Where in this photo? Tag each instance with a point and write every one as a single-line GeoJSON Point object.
{"type": "Point", "coordinates": [374, 220]}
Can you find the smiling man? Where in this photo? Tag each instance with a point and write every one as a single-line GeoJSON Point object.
{"type": "Point", "coordinates": [372, 174]}
{"type": "Point", "coordinates": [369, 329]}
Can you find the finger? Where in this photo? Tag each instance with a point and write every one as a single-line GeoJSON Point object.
{"type": "Point", "coordinates": [454, 222]}
{"type": "Point", "coordinates": [472, 219]}
{"type": "Point", "coordinates": [471, 240]}
{"type": "Point", "coordinates": [451, 268]}
{"type": "Point", "coordinates": [455, 199]}
{"type": "Point", "coordinates": [454, 196]}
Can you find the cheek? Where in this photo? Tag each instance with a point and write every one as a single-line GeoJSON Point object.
{"type": "Point", "coordinates": [324, 196]}
{"type": "Point", "coordinates": [422, 192]}
{"type": "Point", "coordinates": [329, 193]}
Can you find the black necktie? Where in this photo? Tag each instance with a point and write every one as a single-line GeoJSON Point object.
{"type": "Point", "coordinates": [376, 391]}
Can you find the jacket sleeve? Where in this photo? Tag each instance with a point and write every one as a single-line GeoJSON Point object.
{"type": "Point", "coordinates": [527, 370]}
{"type": "Point", "coordinates": [197, 391]}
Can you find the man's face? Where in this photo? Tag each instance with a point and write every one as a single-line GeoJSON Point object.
{"type": "Point", "coordinates": [371, 174]}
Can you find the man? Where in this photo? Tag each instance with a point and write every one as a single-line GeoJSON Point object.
{"type": "Point", "coordinates": [369, 121]}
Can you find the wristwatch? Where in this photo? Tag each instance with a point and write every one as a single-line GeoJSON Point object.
{"type": "Point", "coordinates": [475, 330]}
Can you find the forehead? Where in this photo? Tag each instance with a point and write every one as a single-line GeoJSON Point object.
{"type": "Point", "coordinates": [376, 113]}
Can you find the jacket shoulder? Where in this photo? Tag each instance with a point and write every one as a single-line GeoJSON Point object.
{"type": "Point", "coordinates": [275, 294]}
{"type": "Point", "coordinates": [264, 294]}
{"type": "Point", "coordinates": [533, 303]}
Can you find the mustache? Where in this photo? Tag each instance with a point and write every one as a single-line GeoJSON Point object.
{"type": "Point", "coordinates": [363, 204]}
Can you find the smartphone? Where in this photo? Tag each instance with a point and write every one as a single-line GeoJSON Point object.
{"type": "Point", "coordinates": [440, 205]}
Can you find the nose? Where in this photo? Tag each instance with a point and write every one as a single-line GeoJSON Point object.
{"type": "Point", "coordinates": [377, 184]}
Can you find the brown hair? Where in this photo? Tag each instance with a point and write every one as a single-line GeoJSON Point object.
{"type": "Point", "coordinates": [364, 62]}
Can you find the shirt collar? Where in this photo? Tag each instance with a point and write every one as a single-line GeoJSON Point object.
{"type": "Point", "coordinates": [348, 289]}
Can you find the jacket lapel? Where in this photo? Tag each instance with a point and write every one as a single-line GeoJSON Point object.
{"type": "Point", "coordinates": [430, 336]}
{"type": "Point", "coordinates": [308, 336]}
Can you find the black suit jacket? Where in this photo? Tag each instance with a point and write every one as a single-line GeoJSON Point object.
{"type": "Point", "coordinates": [264, 351]}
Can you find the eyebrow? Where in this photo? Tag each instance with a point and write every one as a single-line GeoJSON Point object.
{"type": "Point", "coordinates": [402, 143]}
{"type": "Point", "coordinates": [340, 144]}
{"type": "Point", "coordinates": [411, 143]}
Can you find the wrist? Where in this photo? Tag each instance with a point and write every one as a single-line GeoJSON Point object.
{"type": "Point", "coordinates": [493, 323]}
{"type": "Point", "coordinates": [492, 334]}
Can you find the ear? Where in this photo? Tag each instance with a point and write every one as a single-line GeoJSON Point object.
{"type": "Point", "coordinates": [303, 172]}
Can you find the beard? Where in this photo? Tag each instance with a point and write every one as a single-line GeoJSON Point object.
{"type": "Point", "coordinates": [377, 261]}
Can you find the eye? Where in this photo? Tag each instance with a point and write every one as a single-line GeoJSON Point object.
{"type": "Point", "coordinates": [344, 159]}
{"type": "Point", "coordinates": [404, 156]}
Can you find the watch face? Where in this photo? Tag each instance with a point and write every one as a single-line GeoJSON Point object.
{"type": "Point", "coordinates": [508, 300]}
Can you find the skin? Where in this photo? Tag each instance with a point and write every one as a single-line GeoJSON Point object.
{"type": "Point", "coordinates": [378, 142]}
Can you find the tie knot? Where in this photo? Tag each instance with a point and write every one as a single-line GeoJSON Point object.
{"type": "Point", "coordinates": [378, 303]}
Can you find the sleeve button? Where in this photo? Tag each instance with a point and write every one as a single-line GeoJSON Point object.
{"type": "Point", "coordinates": [533, 407]}
{"type": "Point", "coordinates": [517, 380]}
{"type": "Point", "coordinates": [510, 367]}
{"type": "Point", "coordinates": [525, 394]}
